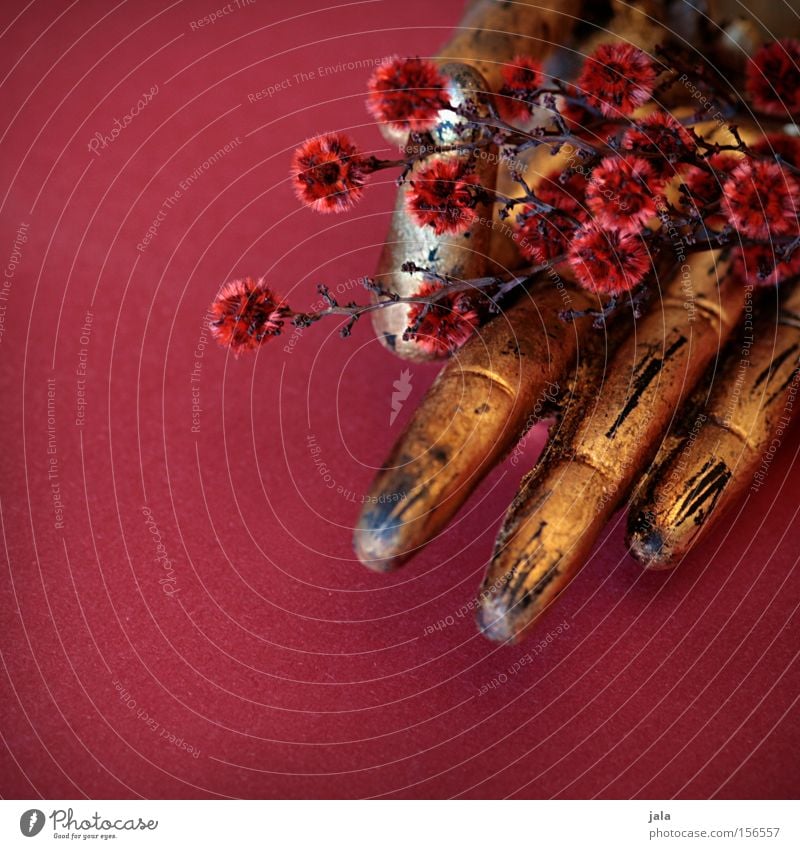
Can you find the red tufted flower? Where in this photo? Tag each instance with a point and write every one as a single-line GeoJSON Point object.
{"type": "Point", "coordinates": [520, 79]}
{"type": "Point", "coordinates": [663, 139]}
{"type": "Point", "coordinates": [544, 236]}
{"type": "Point", "coordinates": [245, 314]}
{"type": "Point", "coordinates": [617, 79]}
{"type": "Point", "coordinates": [773, 78]}
{"type": "Point", "coordinates": [758, 265]}
{"type": "Point", "coordinates": [620, 193]}
{"type": "Point", "coordinates": [762, 199]}
{"type": "Point", "coordinates": [608, 261]}
{"type": "Point", "coordinates": [329, 172]}
{"type": "Point", "coordinates": [407, 94]}
{"type": "Point", "coordinates": [444, 327]}
{"type": "Point", "coordinates": [442, 195]}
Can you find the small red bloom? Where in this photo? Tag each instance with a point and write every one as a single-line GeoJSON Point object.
{"type": "Point", "coordinates": [520, 79]}
{"type": "Point", "coordinates": [407, 94]}
{"type": "Point", "coordinates": [758, 265]}
{"type": "Point", "coordinates": [245, 314]}
{"type": "Point", "coordinates": [444, 327]}
{"type": "Point", "coordinates": [773, 78]}
{"type": "Point", "coordinates": [617, 79]}
{"type": "Point", "coordinates": [779, 144]}
{"type": "Point", "coordinates": [663, 139]}
{"type": "Point", "coordinates": [442, 195]}
{"type": "Point", "coordinates": [329, 173]}
{"type": "Point", "coordinates": [608, 261]}
{"type": "Point", "coordinates": [545, 235]}
{"type": "Point", "coordinates": [620, 193]}
{"type": "Point", "coordinates": [762, 199]}
{"type": "Point", "coordinates": [703, 186]}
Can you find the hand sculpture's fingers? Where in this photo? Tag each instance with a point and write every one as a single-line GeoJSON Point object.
{"type": "Point", "coordinates": [473, 413]}
{"type": "Point", "coordinates": [392, 525]}
{"type": "Point", "coordinates": [751, 400]}
{"type": "Point", "coordinates": [558, 516]}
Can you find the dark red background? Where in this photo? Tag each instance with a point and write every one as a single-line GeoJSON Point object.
{"type": "Point", "coordinates": [292, 669]}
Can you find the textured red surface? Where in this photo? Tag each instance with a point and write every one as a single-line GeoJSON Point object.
{"type": "Point", "coordinates": [287, 666]}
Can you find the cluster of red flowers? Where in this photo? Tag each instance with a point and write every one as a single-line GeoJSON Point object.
{"type": "Point", "coordinates": [590, 216]}
{"type": "Point", "coordinates": [635, 173]}
{"type": "Point", "coordinates": [443, 194]}
{"type": "Point", "coordinates": [245, 314]}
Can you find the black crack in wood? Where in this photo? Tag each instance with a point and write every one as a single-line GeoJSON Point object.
{"type": "Point", "coordinates": [648, 372]}
{"type": "Point", "coordinates": [706, 487]}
